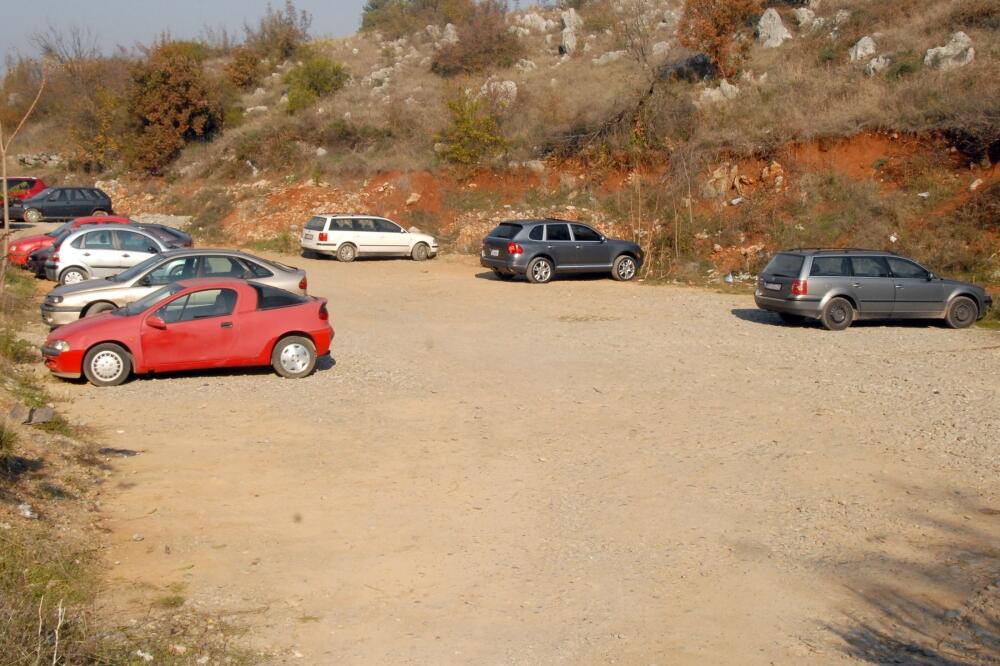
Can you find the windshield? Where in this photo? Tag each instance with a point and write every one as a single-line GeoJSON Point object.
{"type": "Point", "coordinates": [137, 270]}
{"type": "Point", "coordinates": [44, 193]}
{"type": "Point", "coordinates": [785, 265]}
{"type": "Point", "coordinates": [144, 304]}
{"type": "Point", "coordinates": [65, 226]}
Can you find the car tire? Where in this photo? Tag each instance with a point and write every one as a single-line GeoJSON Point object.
{"type": "Point", "coordinates": [503, 275]}
{"type": "Point", "coordinates": [420, 252]}
{"type": "Point", "coordinates": [98, 308]}
{"type": "Point", "coordinates": [791, 319]}
{"type": "Point", "coordinates": [33, 216]}
{"type": "Point", "coordinates": [540, 271]}
{"type": "Point", "coordinates": [837, 315]}
{"type": "Point", "coordinates": [347, 253]}
{"type": "Point", "coordinates": [107, 364]}
{"type": "Point", "coordinates": [294, 357]}
{"type": "Point", "coordinates": [98, 213]}
{"type": "Point", "coordinates": [624, 268]}
{"type": "Point", "coordinates": [962, 312]}
{"type": "Point", "coordinates": [72, 275]}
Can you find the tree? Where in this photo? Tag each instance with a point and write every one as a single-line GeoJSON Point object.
{"type": "Point", "coordinates": [720, 29]}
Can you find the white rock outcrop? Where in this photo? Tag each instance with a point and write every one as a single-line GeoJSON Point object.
{"type": "Point", "coordinates": [877, 65]}
{"type": "Point", "coordinates": [771, 32]}
{"type": "Point", "coordinates": [805, 17]}
{"type": "Point", "coordinates": [865, 48]}
{"type": "Point", "coordinates": [956, 53]}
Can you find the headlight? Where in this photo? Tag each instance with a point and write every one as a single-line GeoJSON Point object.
{"type": "Point", "coordinates": [55, 299]}
{"type": "Point", "coordinates": [60, 345]}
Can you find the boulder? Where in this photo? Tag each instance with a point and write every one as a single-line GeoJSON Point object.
{"type": "Point", "coordinates": [434, 32]}
{"type": "Point", "coordinates": [956, 53]}
{"type": "Point", "coordinates": [771, 32]}
{"type": "Point", "coordinates": [450, 34]}
{"type": "Point", "coordinates": [535, 22]}
{"type": "Point", "coordinates": [525, 65]}
{"type": "Point", "coordinates": [877, 65]}
{"type": "Point", "coordinates": [805, 17]}
{"type": "Point", "coordinates": [865, 48]}
{"type": "Point", "coordinates": [607, 58]}
{"type": "Point", "coordinates": [568, 44]}
{"type": "Point", "coordinates": [571, 20]}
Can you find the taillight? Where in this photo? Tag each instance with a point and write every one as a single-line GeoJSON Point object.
{"type": "Point", "coordinates": [323, 314]}
{"type": "Point", "coordinates": [323, 236]}
{"type": "Point", "coordinates": [800, 287]}
{"type": "Point", "coordinates": [55, 258]}
{"type": "Point", "coordinates": [514, 248]}
{"type": "Point", "coordinates": [303, 283]}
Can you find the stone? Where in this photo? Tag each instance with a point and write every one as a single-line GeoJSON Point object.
{"type": "Point", "coordinates": [40, 415]}
{"type": "Point", "coordinates": [975, 184]}
{"type": "Point", "coordinates": [865, 48]}
{"type": "Point", "coordinates": [413, 198]}
{"type": "Point", "coordinates": [321, 152]}
{"type": "Point", "coordinates": [258, 92]}
{"type": "Point", "coordinates": [19, 414]}
{"type": "Point", "coordinates": [958, 52]}
{"type": "Point", "coordinates": [609, 57]}
{"type": "Point", "coordinates": [805, 17]}
{"type": "Point", "coordinates": [728, 90]}
{"type": "Point", "coordinates": [771, 32]}
{"type": "Point", "coordinates": [568, 44]}
{"type": "Point", "coordinates": [571, 20]}
{"type": "Point", "coordinates": [433, 31]}
{"type": "Point", "coordinates": [877, 65]}
{"type": "Point", "coordinates": [536, 166]}
{"type": "Point", "coordinates": [450, 34]}
{"type": "Point", "coordinates": [525, 65]}
{"type": "Point", "coordinates": [535, 22]}
{"type": "Point", "coordinates": [504, 93]}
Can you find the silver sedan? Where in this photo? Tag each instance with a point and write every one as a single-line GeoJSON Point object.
{"type": "Point", "coordinates": [67, 303]}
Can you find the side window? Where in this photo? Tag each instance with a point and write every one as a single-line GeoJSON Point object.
{"type": "Point", "coordinates": [98, 240]}
{"type": "Point", "coordinates": [58, 195]}
{"type": "Point", "coordinates": [363, 224]}
{"type": "Point", "coordinates": [557, 232]}
{"type": "Point", "coordinates": [129, 241]}
{"type": "Point", "coordinates": [95, 194]}
{"type": "Point", "coordinates": [78, 242]}
{"type": "Point", "coordinates": [536, 233]}
{"type": "Point", "coordinates": [178, 269]}
{"type": "Point", "coordinates": [387, 227]}
{"type": "Point", "coordinates": [902, 268]}
{"type": "Point", "coordinates": [77, 195]}
{"type": "Point", "coordinates": [830, 267]}
{"type": "Point", "coordinates": [199, 305]}
{"type": "Point", "coordinates": [869, 267]}
{"type": "Point", "coordinates": [341, 225]}
{"type": "Point", "coordinates": [586, 234]}
{"type": "Point", "coordinates": [221, 267]}
{"type": "Point", "coordinates": [256, 269]}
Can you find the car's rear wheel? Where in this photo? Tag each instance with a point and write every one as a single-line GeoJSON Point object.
{"type": "Point", "coordinates": [72, 275]}
{"type": "Point", "coordinates": [33, 215]}
{"type": "Point", "coordinates": [962, 312]}
{"type": "Point", "coordinates": [107, 364]}
{"type": "Point", "coordinates": [420, 252]}
{"type": "Point", "coordinates": [502, 275]}
{"type": "Point", "coordinates": [294, 357]}
{"type": "Point", "coordinates": [98, 308]}
{"type": "Point", "coordinates": [99, 213]}
{"type": "Point", "coordinates": [624, 268]}
{"type": "Point", "coordinates": [837, 315]}
{"type": "Point", "coordinates": [347, 253]}
{"type": "Point", "coordinates": [540, 271]}
{"type": "Point", "coordinates": [791, 319]}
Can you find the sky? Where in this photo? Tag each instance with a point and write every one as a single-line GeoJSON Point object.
{"type": "Point", "coordinates": [127, 22]}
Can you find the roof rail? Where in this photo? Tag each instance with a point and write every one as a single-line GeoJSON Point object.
{"type": "Point", "coordinates": [838, 249]}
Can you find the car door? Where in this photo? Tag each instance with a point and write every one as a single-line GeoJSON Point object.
{"type": "Point", "coordinates": [56, 204]}
{"type": "Point", "coordinates": [590, 246]}
{"type": "Point", "coordinates": [200, 330]}
{"type": "Point", "coordinates": [872, 286]}
{"type": "Point", "coordinates": [391, 237]}
{"type": "Point", "coordinates": [217, 266]}
{"type": "Point", "coordinates": [832, 274]}
{"type": "Point", "coordinates": [181, 268]}
{"type": "Point", "coordinates": [97, 250]}
{"type": "Point", "coordinates": [134, 248]}
{"type": "Point", "coordinates": [916, 294]}
{"type": "Point", "coordinates": [364, 235]}
{"type": "Point", "coordinates": [78, 204]}
{"type": "Point", "coordinates": [559, 244]}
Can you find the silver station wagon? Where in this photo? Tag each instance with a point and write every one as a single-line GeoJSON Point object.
{"type": "Point", "coordinates": [70, 302]}
{"type": "Point", "coordinates": [839, 286]}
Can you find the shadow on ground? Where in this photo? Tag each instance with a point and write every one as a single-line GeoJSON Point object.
{"type": "Point", "coordinates": [757, 316]}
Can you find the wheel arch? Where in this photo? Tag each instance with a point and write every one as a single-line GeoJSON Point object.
{"type": "Point", "coordinates": [839, 294]}
{"type": "Point", "coordinates": [968, 294]}
{"type": "Point", "coordinates": [86, 309]}
{"type": "Point", "coordinates": [287, 334]}
{"type": "Point", "coordinates": [127, 348]}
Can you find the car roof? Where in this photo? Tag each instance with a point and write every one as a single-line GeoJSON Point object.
{"type": "Point", "coordinates": [381, 217]}
{"type": "Point", "coordinates": [547, 220]}
{"type": "Point", "coordinates": [207, 250]}
{"type": "Point", "coordinates": [213, 282]}
{"type": "Point", "coordinates": [108, 227]}
{"type": "Point", "coordinates": [835, 250]}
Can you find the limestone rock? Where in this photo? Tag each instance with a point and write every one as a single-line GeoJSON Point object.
{"type": "Point", "coordinates": [805, 17]}
{"type": "Point", "coordinates": [771, 32]}
{"type": "Point", "coordinates": [877, 65]}
{"type": "Point", "coordinates": [956, 53]}
{"type": "Point", "coordinates": [865, 48]}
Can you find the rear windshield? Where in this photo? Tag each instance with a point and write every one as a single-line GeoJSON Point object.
{"type": "Point", "coordinates": [316, 224]}
{"type": "Point", "coordinates": [506, 230]}
{"type": "Point", "coordinates": [269, 298]}
{"type": "Point", "coordinates": [785, 265]}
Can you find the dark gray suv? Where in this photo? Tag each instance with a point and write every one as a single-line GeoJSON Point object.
{"type": "Point", "coordinates": [540, 249]}
{"type": "Point", "coordinates": [838, 286]}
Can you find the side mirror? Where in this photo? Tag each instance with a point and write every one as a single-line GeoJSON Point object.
{"type": "Point", "coordinates": [156, 322]}
{"type": "Point", "coordinates": [604, 239]}
{"type": "Point", "coordinates": [930, 276]}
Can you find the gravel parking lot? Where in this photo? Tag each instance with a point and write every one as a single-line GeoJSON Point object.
{"type": "Point", "coordinates": [585, 472]}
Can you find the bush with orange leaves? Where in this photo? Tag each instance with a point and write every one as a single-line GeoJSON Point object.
{"type": "Point", "coordinates": [721, 29]}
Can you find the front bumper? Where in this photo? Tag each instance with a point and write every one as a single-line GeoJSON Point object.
{"type": "Point", "coordinates": [805, 308]}
{"type": "Point", "coordinates": [68, 364]}
{"type": "Point", "coordinates": [56, 315]}
{"type": "Point", "coordinates": [987, 306]}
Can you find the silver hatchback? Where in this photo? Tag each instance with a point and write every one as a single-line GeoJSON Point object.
{"type": "Point", "coordinates": [839, 286]}
{"type": "Point", "coordinates": [67, 303]}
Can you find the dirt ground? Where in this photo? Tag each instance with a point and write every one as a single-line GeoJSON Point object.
{"type": "Point", "coordinates": [582, 473]}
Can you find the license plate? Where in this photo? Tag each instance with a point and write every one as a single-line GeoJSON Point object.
{"type": "Point", "coordinates": [494, 253]}
{"type": "Point", "coordinates": [773, 286]}
{"type": "Point", "coordinates": [307, 236]}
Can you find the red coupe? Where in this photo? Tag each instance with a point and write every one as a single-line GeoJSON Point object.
{"type": "Point", "coordinates": [191, 325]}
{"type": "Point", "coordinates": [20, 249]}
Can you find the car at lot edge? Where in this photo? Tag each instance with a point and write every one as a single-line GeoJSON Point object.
{"type": "Point", "coordinates": [348, 237]}
{"type": "Point", "coordinates": [839, 286]}
{"type": "Point", "coordinates": [95, 252]}
{"type": "Point", "coordinates": [20, 249]}
{"type": "Point", "coordinates": [193, 325]}
{"type": "Point", "coordinates": [60, 203]}
{"type": "Point", "coordinates": [20, 188]}
{"type": "Point", "coordinates": [67, 303]}
{"type": "Point", "coordinates": [542, 249]}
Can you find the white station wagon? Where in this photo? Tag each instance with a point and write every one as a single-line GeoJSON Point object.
{"type": "Point", "coordinates": [350, 236]}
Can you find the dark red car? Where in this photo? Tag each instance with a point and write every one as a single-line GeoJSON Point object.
{"type": "Point", "coordinates": [20, 249]}
{"type": "Point", "coordinates": [192, 325]}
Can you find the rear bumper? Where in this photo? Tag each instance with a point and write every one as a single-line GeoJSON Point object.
{"type": "Point", "coordinates": [804, 308]}
{"type": "Point", "coordinates": [505, 264]}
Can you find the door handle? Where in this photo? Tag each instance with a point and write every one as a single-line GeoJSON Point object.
{"type": "Point", "coordinates": [899, 286]}
{"type": "Point", "coordinates": [86, 254]}
{"type": "Point", "coordinates": [226, 324]}
{"type": "Point", "coordinates": [126, 256]}
{"type": "Point", "coordinates": [856, 285]}
{"type": "Point", "coordinates": [579, 247]}
{"type": "Point", "coordinates": [549, 246]}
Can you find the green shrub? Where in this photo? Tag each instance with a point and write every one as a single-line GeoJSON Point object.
{"type": "Point", "coordinates": [473, 136]}
{"type": "Point", "coordinates": [484, 42]}
{"type": "Point", "coordinates": [316, 76]}
{"type": "Point", "coordinates": [396, 18]}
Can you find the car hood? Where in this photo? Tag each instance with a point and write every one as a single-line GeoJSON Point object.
{"type": "Point", "coordinates": [26, 242]}
{"type": "Point", "coordinates": [86, 327]}
{"type": "Point", "coordinates": [959, 283]}
{"type": "Point", "coordinates": [88, 286]}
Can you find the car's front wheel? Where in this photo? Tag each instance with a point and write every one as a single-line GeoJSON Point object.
{"type": "Point", "coordinates": [33, 216]}
{"type": "Point", "coordinates": [107, 364]}
{"type": "Point", "coordinates": [99, 213]}
{"type": "Point", "coordinates": [72, 275]}
{"type": "Point", "coordinates": [962, 312]}
{"type": "Point", "coordinates": [347, 253]}
{"type": "Point", "coordinates": [98, 308]}
{"type": "Point", "coordinates": [420, 252]}
{"type": "Point", "coordinates": [837, 315]}
{"type": "Point", "coordinates": [294, 357]}
{"type": "Point", "coordinates": [540, 271]}
{"type": "Point", "coordinates": [624, 268]}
